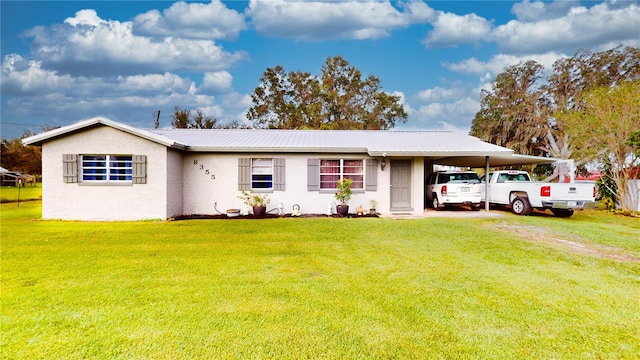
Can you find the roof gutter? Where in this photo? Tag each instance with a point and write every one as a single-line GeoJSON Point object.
{"type": "Point", "coordinates": [249, 149]}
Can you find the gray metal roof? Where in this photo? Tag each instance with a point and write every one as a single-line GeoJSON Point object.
{"type": "Point", "coordinates": [371, 142]}
{"type": "Point", "coordinates": [443, 147]}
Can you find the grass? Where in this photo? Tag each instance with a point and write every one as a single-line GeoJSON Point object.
{"type": "Point", "coordinates": [316, 288]}
{"type": "Point", "coordinates": [14, 194]}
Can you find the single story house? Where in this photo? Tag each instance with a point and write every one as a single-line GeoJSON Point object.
{"type": "Point", "coordinates": [99, 169]}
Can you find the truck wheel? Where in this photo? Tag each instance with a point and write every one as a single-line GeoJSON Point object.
{"type": "Point", "coordinates": [436, 203]}
{"type": "Point", "coordinates": [562, 213]}
{"type": "Point", "coordinates": [520, 206]}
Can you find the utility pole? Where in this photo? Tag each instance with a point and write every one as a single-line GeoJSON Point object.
{"type": "Point", "coordinates": [157, 120]}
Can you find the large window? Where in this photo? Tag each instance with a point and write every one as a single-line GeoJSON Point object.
{"type": "Point", "coordinates": [262, 173]}
{"type": "Point", "coordinates": [107, 168]}
{"type": "Point", "coordinates": [333, 170]}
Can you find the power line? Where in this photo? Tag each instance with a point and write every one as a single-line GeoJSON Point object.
{"type": "Point", "coordinates": [12, 123]}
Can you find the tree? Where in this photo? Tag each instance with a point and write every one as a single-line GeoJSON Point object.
{"type": "Point", "coordinates": [514, 113]}
{"type": "Point", "coordinates": [18, 157]}
{"type": "Point", "coordinates": [634, 142]}
{"type": "Point", "coordinates": [574, 77]}
{"type": "Point", "coordinates": [604, 130]}
{"type": "Point", "coordinates": [184, 119]}
{"type": "Point", "coordinates": [520, 113]}
{"type": "Point", "coordinates": [337, 99]}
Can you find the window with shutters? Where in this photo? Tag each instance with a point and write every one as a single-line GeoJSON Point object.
{"type": "Point", "coordinates": [261, 174]}
{"type": "Point", "coordinates": [331, 171]}
{"type": "Point", "coordinates": [107, 168]}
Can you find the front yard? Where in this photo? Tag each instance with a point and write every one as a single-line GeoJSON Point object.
{"type": "Point", "coordinates": [482, 288]}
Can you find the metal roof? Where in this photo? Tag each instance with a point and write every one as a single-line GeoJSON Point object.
{"type": "Point", "coordinates": [443, 147]}
{"type": "Point", "coordinates": [371, 142]}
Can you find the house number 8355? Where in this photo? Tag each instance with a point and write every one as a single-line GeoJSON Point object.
{"type": "Point", "coordinates": [206, 171]}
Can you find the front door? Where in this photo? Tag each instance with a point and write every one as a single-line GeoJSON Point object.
{"type": "Point", "coordinates": [401, 185]}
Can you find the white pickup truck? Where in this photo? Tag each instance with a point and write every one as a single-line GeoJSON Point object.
{"type": "Point", "coordinates": [515, 188]}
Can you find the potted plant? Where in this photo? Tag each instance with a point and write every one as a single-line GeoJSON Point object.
{"type": "Point", "coordinates": [372, 209]}
{"type": "Point", "coordinates": [257, 201]}
{"type": "Point", "coordinates": [343, 195]}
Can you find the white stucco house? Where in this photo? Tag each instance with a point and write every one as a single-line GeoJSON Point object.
{"type": "Point", "coordinates": [99, 169]}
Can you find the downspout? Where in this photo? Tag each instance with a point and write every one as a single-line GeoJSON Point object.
{"type": "Point", "coordinates": [486, 183]}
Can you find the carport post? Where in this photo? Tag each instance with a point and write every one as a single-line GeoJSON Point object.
{"type": "Point", "coordinates": [486, 183]}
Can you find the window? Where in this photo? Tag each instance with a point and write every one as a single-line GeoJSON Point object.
{"type": "Point", "coordinates": [471, 178]}
{"type": "Point", "coordinates": [331, 171]}
{"type": "Point", "coordinates": [107, 168]}
{"type": "Point", "coordinates": [261, 173]}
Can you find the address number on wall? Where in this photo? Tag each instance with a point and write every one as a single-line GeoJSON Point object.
{"type": "Point", "coordinates": [204, 169]}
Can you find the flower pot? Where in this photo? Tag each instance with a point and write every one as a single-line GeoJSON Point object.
{"type": "Point", "coordinates": [259, 211]}
{"type": "Point", "coordinates": [342, 210]}
{"type": "Point", "coordinates": [233, 212]}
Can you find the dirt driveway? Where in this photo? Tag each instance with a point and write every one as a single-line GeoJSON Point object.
{"type": "Point", "coordinates": [538, 234]}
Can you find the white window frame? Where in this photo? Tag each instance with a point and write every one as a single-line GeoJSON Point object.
{"type": "Point", "coordinates": [257, 170]}
{"type": "Point", "coordinates": [357, 186]}
{"type": "Point", "coordinates": [110, 164]}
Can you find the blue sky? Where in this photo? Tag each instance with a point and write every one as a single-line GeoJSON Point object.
{"type": "Point", "coordinates": [64, 61]}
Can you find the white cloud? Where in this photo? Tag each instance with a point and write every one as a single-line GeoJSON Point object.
{"type": "Point", "coordinates": [439, 94]}
{"type": "Point", "coordinates": [24, 77]}
{"type": "Point", "coordinates": [581, 27]}
{"type": "Point", "coordinates": [456, 115]}
{"type": "Point", "coordinates": [448, 108]}
{"type": "Point", "coordinates": [544, 27]}
{"type": "Point", "coordinates": [193, 20]}
{"type": "Point", "coordinates": [21, 77]}
{"type": "Point", "coordinates": [216, 82]}
{"type": "Point", "coordinates": [453, 30]}
{"type": "Point", "coordinates": [63, 98]}
{"type": "Point", "coordinates": [236, 106]}
{"type": "Point", "coordinates": [539, 10]}
{"type": "Point", "coordinates": [313, 21]}
{"type": "Point", "coordinates": [488, 70]}
{"type": "Point", "coordinates": [88, 45]}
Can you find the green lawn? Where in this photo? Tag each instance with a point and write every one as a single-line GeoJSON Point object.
{"type": "Point", "coordinates": [327, 288]}
{"type": "Point", "coordinates": [12, 193]}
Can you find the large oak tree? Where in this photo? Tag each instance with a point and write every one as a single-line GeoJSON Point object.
{"type": "Point", "coordinates": [529, 114]}
{"type": "Point", "coordinates": [336, 99]}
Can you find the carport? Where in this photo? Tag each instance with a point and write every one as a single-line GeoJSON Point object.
{"type": "Point", "coordinates": [495, 160]}
{"type": "Point", "coordinates": [448, 148]}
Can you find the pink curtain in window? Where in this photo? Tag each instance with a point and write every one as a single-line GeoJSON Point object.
{"type": "Point", "coordinates": [329, 173]}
